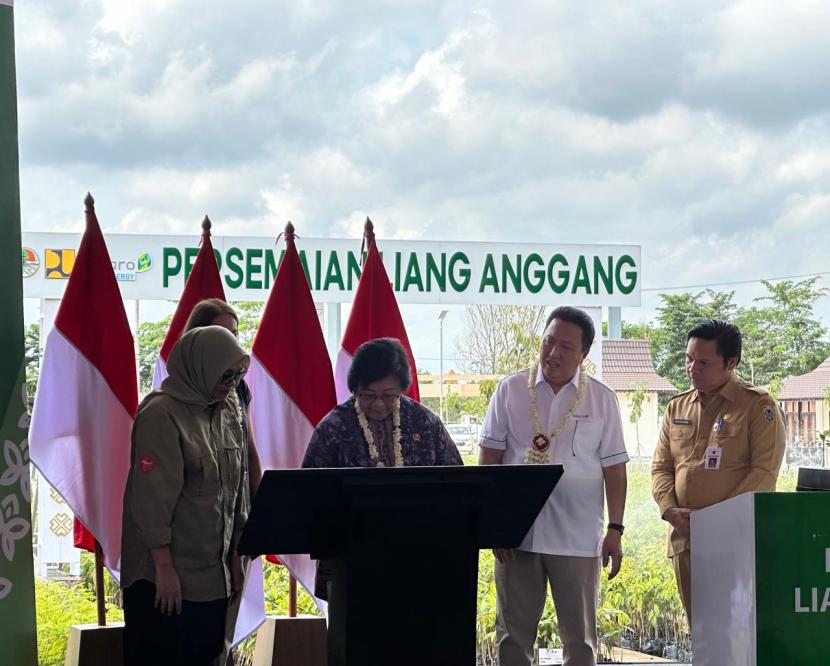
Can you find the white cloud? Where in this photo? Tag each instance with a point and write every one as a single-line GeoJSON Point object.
{"type": "Point", "coordinates": [699, 130]}
{"type": "Point", "coordinates": [803, 213]}
{"type": "Point", "coordinates": [287, 201]}
{"type": "Point", "coordinates": [808, 165]}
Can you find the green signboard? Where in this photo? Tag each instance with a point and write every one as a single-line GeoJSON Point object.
{"type": "Point", "coordinates": [17, 599]}
{"type": "Point", "coordinates": [761, 580]}
{"type": "Point", "coordinates": [434, 272]}
{"type": "Point", "coordinates": [792, 560]}
{"type": "Point", "coordinates": [448, 272]}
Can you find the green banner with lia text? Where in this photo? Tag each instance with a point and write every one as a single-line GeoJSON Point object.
{"type": "Point", "coordinates": [17, 596]}
{"type": "Point", "coordinates": [792, 578]}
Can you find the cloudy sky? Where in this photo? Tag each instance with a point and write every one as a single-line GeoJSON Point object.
{"type": "Point", "coordinates": [697, 130]}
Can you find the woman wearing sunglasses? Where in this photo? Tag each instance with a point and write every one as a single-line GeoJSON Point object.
{"type": "Point", "coordinates": [183, 511]}
{"type": "Point", "coordinates": [216, 312]}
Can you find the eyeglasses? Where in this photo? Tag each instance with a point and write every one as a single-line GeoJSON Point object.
{"type": "Point", "coordinates": [232, 377]}
{"type": "Point", "coordinates": [368, 397]}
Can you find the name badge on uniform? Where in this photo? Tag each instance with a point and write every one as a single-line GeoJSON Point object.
{"type": "Point", "coordinates": [712, 460]}
{"type": "Point", "coordinates": [682, 421]}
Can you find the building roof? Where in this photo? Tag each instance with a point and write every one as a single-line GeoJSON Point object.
{"type": "Point", "coordinates": [627, 366]}
{"type": "Point", "coordinates": [812, 386]}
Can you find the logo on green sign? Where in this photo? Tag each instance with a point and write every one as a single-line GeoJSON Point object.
{"type": "Point", "coordinates": [145, 262]}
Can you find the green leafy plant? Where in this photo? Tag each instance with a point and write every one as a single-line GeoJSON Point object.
{"type": "Point", "coordinates": [638, 397]}
{"type": "Point", "coordinates": [59, 606]}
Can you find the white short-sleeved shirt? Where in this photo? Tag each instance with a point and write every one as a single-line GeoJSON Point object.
{"type": "Point", "coordinates": [572, 520]}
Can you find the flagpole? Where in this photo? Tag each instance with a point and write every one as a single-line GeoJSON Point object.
{"type": "Point", "coordinates": [100, 597]}
{"type": "Point", "coordinates": [100, 600]}
{"type": "Point", "coordinates": [292, 596]}
{"type": "Point", "coordinates": [292, 582]}
{"type": "Point", "coordinates": [368, 234]}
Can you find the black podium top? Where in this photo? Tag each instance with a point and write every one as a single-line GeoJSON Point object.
{"type": "Point", "coordinates": [812, 478]}
{"type": "Point", "coordinates": [310, 510]}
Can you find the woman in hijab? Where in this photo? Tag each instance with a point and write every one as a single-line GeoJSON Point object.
{"type": "Point", "coordinates": [183, 513]}
{"type": "Point", "coordinates": [216, 312]}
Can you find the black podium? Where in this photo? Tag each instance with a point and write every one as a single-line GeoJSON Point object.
{"type": "Point", "coordinates": [403, 546]}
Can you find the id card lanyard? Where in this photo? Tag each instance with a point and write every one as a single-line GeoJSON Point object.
{"type": "Point", "coordinates": [714, 453]}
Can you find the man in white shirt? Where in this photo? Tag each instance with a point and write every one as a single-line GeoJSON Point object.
{"type": "Point", "coordinates": [555, 413]}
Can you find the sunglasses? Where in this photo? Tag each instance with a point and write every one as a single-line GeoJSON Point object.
{"type": "Point", "coordinates": [232, 377]}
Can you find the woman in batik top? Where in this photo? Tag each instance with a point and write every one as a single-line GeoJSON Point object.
{"type": "Point", "coordinates": [378, 426]}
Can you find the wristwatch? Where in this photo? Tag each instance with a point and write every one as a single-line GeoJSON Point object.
{"type": "Point", "coordinates": [616, 526]}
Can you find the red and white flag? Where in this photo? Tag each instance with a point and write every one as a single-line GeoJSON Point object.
{"type": "Point", "coordinates": [87, 396]}
{"type": "Point", "coordinates": [291, 381]}
{"type": "Point", "coordinates": [203, 282]}
{"type": "Point", "coordinates": [374, 314]}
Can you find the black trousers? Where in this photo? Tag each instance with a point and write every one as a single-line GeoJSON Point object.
{"type": "Point", "coordinates": [194, 638]}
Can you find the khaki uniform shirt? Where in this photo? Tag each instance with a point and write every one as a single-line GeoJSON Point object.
{"type": "Point", "coordinates": [184, 491]}
{"type": "Point", "coordinates": [743, 422]}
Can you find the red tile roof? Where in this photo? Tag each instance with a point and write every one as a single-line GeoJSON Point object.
{"type": "Point", "coordinates": [627, 365]}
{"type": "Point", "coordinates": [812, 386]}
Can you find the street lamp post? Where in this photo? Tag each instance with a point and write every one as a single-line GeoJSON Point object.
{"type": "Point", "coordinates": [441, 362]}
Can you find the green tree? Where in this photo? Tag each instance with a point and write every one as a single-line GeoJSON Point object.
{"type": "Point", "coordinates": [636, 330]}
{"type": "Point", "coordinates": [635, 413]}
{"type": "Point", "coordinates": [499, 339]}
{"type": "Point", "coordinates": [112, 591]}
{"type": "Point", "coordinates": [250, 314]}
{"type": "Point", "coordinates": [676, 314]}
{"type": "Point", "coordinates": [59, 606]}
{"type": "Point", "coordinates": [782, 336]}
{"type": "Point", "coordinates": [758, 358]}
{"type": "Point", "coordinates": [456, 406]}
{"type": "Point", "coordinates": [487, 388]}
{"type": "Point", "coordinates": [453, 407]}
{"type": "Point", "coordinates": [150, 338]}
{"type": "Point", "coordinates": [32, 356]}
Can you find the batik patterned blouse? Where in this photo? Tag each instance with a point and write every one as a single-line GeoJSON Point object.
{"type": "Point", "coordinates": [338, 440]}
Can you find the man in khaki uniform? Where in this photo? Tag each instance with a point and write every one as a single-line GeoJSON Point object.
{"type": "Point", "coordinates": [721, 438]}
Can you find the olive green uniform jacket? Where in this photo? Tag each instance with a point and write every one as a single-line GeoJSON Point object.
{"type": "Point", "coordinates": [184, 488]}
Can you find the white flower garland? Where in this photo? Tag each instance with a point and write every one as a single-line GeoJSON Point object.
{"type": "Point", "coordinates": [370, 439]}
{"type": "Point", "coordinates": [539, 451]}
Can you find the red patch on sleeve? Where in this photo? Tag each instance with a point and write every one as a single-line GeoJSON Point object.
{"type": "Point", "coordinates": [146, 464]}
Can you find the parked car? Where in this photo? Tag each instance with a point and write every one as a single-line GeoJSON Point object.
{"type": "Point", "coordinates": [463, 436]}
